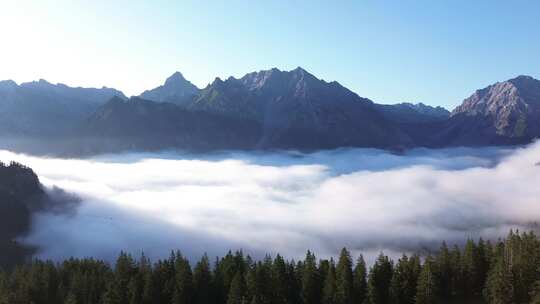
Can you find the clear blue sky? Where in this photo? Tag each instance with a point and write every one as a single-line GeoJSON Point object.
{"type": "Point", "coordinates": [437, 52]}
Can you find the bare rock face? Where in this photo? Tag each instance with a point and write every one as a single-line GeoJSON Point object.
{"type": "Point", "coordinates": [298, 110]}
{"type": "Point", "coordinates": [503, 113]}
{"type": "Point", "coordinates": [513, 106]}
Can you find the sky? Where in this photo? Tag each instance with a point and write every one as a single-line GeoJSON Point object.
{"type": "Point", "coordinates": [436, 52]}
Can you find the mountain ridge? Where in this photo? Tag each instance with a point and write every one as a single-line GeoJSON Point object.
{"type": "Point", "coordinates": [285, 109]}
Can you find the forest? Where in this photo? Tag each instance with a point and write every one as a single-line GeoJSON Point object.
{"type": "Point", "coordinates": [505, 271]}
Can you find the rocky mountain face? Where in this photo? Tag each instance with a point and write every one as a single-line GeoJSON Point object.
{"type": "Point", "coordinates": [413, 113]}
{"type": "Point", "coordinates": [40, 108]}
{"type": "Point", "coordinates": [138, 124]}
{"type": "Point", "coordinates": [176, 89]}
{"type": "Point", "coordinates": [503, 113]}
{"type": "Point", "coordinates": [297, 110]}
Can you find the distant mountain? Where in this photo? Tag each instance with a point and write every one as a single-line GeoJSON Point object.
{"type": "Point", "coordinates": [41, 108]}
{"type": "Point", "coordinates": [413, 113]}
{"type": "Point", "coordinates": [269, 109]}
{"type": "Point", "coordinates": [503, 113]}
{"type": "Point", "coordinates": [139, 124]}
{"type": "Point", "coordinates": [176, 90]}
{"type": "Point", "coordinates": [297, 110]}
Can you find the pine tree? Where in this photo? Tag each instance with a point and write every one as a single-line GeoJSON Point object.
{"type": "Point", "coordinates": [499, 286]}
{"type": "Point", "coordinates": [329, 295]}
{"type": "Point", "coordinates": [265, 290]}
{"type": "Point", "coordinates": [4, 288]}
{"type": "Point", "coordinates": [482, 265]}
{"type": "Point", "coordinates": [457, 282]}
{"type": "Point", "coordinates": [251, 283]}
{"type": "Point", "coordinates": [360, 281]}
{"type": "Point", "coordinates": [311, 285]}
{"type": "Point", "coordinates": [150, 289]}
{"type": "Point", "coordinates": [405, 279]}
{"type": "Point", "coordinates": [427, 289]}
{"type": "Point", "coordinates": [344, 278]}
{"type": "Point", "coordinates": [219, 291]}
{"type": "Point", "coordinates": [444, 271]}
{"type": "Point", "coordinates": [113, 294]}
{"type": "Point", "coordinates": [379, 281]}
{"type": "Point", "coordinates": [535, 293]}
{"type": "Point", "coordinates": [469, 269]}
{"type": "Point", "coordinates": [280, 281]}
{"type": "Point", "coordinates": [183, 292]}
{"type": "Point", "coordinates": [202, 279]}
{"type": "Point", "coordinates": [118, 290]}
{"type": "Point", "coordinates": [324, 267]}
{"type": "Point", "coordinates": [134, 290]}
{"type": "Point", "coordinates": [71, 299]}
{"type": "Point", "coordinates": [237, 290]}
{"type": "Point", "coordinates": [525, 265]}
{"type": "Point", "coordinates": [294, 283]}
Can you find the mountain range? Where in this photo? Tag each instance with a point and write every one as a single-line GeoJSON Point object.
{"type": "Point", "coordinates": [269, 109]}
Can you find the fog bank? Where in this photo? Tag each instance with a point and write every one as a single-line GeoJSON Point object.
{"type": "Point", "coordinates": [368, 200]}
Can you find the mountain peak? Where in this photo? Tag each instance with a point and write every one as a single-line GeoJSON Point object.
{"type": "Point", "coordinates": [7, 84]}
{"type": "Point", "coordinates": [44, 83]}
{"type": "Point", "coordinates": [39, 84]}
{"type": "Point", "coordinates": [299, 69]}
{"type": "Point", "coordinates": [523, 77]}
{"type": "Point", "coordinates": [512, 106]}
{"type": "Point", "coordinates": [176, 89]}
{"type": "Point", "coordinates": [524, 82]}
{"type": "Point", "coordinates": [304, 75]}
{"type": "Point", "coordinates": [217, 80]}
{"type": "Point", "coordinates": [176, 77]}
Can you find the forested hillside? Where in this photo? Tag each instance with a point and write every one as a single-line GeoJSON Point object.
{"type": "Point", "coordinates": [506, 271]}
{"type": "Point", "coordinates": [20, 194]}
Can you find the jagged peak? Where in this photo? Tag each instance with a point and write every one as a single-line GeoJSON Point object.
{"type": "Point", "coordinates": [303, 74]}
{"type": "Point", "coordinates": [299, 69]}
{"type": "Point", "coordinates": [41, 83]}
{"type": "Point", "coordinates": [175, 78]}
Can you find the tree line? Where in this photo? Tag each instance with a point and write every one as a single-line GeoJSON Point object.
{"type": "Point", "coordinates": [506, 271]}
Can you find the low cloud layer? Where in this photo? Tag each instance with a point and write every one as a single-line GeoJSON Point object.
{"type": "Point", "coordinates": [367, 200]}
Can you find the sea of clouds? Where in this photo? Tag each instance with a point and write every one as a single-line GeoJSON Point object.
{"type": "Point", "coordinates": [367, 200]}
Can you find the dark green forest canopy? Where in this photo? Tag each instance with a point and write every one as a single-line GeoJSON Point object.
{"type": "Point", "coordinates": [505, 271]}
{"type": "Point", "coordinates": [20, 193]}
